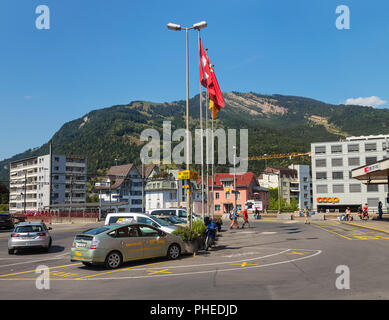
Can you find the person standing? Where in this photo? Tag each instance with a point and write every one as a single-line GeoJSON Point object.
{"type": "Point", "coordinates": [348, 214]}
{"type": "Point", "coordinates": [245, 218]}
{"type": "Point", "coordinates": [306, 215]}
{"type": "Point", "coordinates": [380, 210]}
{"type": "Point", "coordinates": [234, 220]}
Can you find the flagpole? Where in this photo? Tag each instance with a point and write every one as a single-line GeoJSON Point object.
{"type": "Point", "coordinates": [213, 155]}
{"type": "Point", "coordinates": [201, 146]}
{"type": "Point", "coordinates": [206, 150]}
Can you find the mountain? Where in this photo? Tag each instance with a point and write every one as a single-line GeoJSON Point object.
{"type": "Point", "coordinates": [276, 124]}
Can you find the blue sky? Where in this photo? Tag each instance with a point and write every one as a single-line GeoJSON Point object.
{"type": "Point", "coordinates": [100, 53]}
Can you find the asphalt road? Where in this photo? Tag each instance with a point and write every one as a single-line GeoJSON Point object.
{"type": "Point", "coordinates": [270, 260]}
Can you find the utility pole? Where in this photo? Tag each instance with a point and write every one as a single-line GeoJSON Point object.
{"type": "Point", "coordinates": [50, 172]}
{"type": "Point", "coordinates": [143, 189]}
{"type": "Point", "coordinates": [25, 190]}
{"type": "Point", "coordinates": [234, 148]}
{"type": "Point", "coordinates": [279, 192]}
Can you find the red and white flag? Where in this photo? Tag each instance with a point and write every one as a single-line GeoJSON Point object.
{"type": "Point", "coordinates": [208, 79]}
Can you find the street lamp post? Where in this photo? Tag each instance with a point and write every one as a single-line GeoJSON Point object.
{"type": "Point", "coordinates": [234, 148]}
{"type": "Point", "coordinates": [177, 27]}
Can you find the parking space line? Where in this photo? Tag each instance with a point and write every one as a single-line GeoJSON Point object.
{"type": "Point", "coordinates": [315, 226]}
{"type": "Point", "coordinates": [118, 270]}
{"type": "Point", "coordinates": [30, 271]}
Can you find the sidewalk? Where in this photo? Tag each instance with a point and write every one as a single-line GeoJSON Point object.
{"type": "Point", "coordinates": [374, 224]}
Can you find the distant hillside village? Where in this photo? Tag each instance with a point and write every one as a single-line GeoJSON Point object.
{"type": "Point", "coordinates": [59, 183]}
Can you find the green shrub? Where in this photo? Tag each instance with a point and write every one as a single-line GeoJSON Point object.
{"type": "Point", "coordinates": [199, 227]}
{"type": "Point", "coordinates": [186, 234]}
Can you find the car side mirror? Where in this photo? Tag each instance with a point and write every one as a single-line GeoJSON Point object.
{"type": "Point", "coordinates": [50, 228]}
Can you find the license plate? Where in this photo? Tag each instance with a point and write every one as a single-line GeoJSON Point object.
{"type": "Point", "coordinates": [80, 245]}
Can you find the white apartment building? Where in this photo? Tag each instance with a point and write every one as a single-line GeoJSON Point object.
{"type": "Point", "coordinates": [44, 182]}
{"type": "Point", "coordinates": [123, 185]}
{"type": "Point", "coordinates": [334, 189]}
{"type": "Point", "coordinates": [168, 193]}
{"type": "Point", "coordinates": [295, 183]}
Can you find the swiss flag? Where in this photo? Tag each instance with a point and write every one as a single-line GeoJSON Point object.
{"type": "Point", "coordinates": [208, 79]}
{"type": "Point", "coordinates": [204, 67]}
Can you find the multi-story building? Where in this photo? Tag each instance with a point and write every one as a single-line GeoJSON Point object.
{"type": "Point", "coordinates": [123, 184]}
{"type": "Point", "coordinates": [167, 192]}
{"type": "Point", "coordinates": [47, 182]}
{"type": "Point", "coordinates": [334, 189]}
{"type": "Point", "coordinates": [295, 182]}
{"type": "Point", "coordinates": [224, 197]}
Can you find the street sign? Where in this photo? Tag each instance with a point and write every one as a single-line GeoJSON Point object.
{"type": "Point", "coordinates": [235, 191]}
{"type": "Point", "coordinates": [187, 174]}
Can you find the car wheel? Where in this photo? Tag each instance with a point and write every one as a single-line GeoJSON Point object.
{"type": "Point", "coordinates": [48, 248]}
{"type": "Point", "coordinates": [11, 251]}
{"type": "Point", "coordinates": [174, 251]}
{"type": "Point", "coordinates": [114, 260]}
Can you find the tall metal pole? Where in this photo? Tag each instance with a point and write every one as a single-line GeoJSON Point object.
{"type": "Point", "coordinates": [201, 147]}
{"type": "Point", "coordinates": [25, 190]}
{"type": "Point", "coordinates": [206, 151]}
{"type": "Point", "coordinates": [143, 188]}
{"type": "Point", "coordinates": [234, 179]}
{"type": "Point", "coordinates": [213, 158]}
{"type": "Point", "coordinates": [189, 209]}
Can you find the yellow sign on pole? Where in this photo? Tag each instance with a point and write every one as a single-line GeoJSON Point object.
{"type": "Point", "coordinates": [187, 175]}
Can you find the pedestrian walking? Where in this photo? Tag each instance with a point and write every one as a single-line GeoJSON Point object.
{"type": "Point", "coordinates": [256, 213]}
{"type": "Point", "coordinates": [347, 214]}
{"type": "Point", "coordinates": [245, 218]}
{"type": "Point", "coordinates": [380, 210]}
{"type": "Point", "coordinates": [234, 220]}
{"type": "Point", "coordinates": [306, 215]}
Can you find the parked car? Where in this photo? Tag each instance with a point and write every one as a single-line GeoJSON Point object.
{"type": "Point", "coordinates": [114, 244]}
{"type": "Point", "coordinates": [140, 218]}
{"type": "Point", "coordinates": [6, 221]}
{"type": "Point", "coordinates": [174, 220]}
{"type": "Point", "coordinates": [29, 235]}
{"type": "Point", "coordinates": [178, 212]}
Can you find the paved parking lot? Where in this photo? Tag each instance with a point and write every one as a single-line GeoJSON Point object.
{"type": "Point", "coordinates": [271, 260]}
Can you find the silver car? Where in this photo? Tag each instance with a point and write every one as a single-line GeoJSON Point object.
{"type": "Point", "coordinates": [29, 235]}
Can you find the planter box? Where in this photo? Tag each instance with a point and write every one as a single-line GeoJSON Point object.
{"type": "Point", "coordinates": [191, 247]}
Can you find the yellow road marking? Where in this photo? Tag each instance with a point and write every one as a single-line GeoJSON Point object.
{"type": "Point", "coordinates": [357, 225]}
{"type": "Point", "coordinates": [151, 272]}
{"type": "Point", "coordinates": [24, 272]}
{"type": "Point", "coordinates": [108, 272]}
{"type": "Point", "coordinates": [300, 253]}
{"type": "Point", "coordinates": [332, 232]}
{"type": "Point", "coordinates": [244, 264]}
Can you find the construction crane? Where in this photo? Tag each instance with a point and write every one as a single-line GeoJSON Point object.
{"type": "Point", "coordinates": [280, 156]}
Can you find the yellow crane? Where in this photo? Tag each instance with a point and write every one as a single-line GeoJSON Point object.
{"type": "Point", "coordinates": [280, 156]}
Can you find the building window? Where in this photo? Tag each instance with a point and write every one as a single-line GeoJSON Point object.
{"type": "Point", "coordinates": [336, 149]}
{"type": "Point", "coordinates": [338, 188]}
{"type": "Point", "coordinates": [338, 175]}
{"type": "Point", "coordinates": [217, 195]}
{"type": "Point", "coordinates": [322, 188]}
{"type": "Point", "coordinates": [227, 195]}
{"type": "Point", "coordinates": [320, 150]}
{"type": "Point", "coordinates": [371, 160]}
{"type": "Point", "coordinates": [320, 163]}
{"type": "Point", "coordinates": [338, 162]}
{"type": "Point", "coordinates": [217, 207]}
{"type": "Point", "coordinates": [353, 162]}
{"type": "Point", "coordinates": [321, 175]}
{"type": "Point", "coordinates": [372, 188]}
{"type": "Point", "coordinates": [370, 147]}
{"type": "Point", "coordinates": [353, 148]}
{"type": "Point", "coordinates": [355, 188]}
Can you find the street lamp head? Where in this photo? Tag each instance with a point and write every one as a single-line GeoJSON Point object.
{"type": "Point", "coordinates": [173, 26]}
{"type": "Point", "coordinates": [200, 25]}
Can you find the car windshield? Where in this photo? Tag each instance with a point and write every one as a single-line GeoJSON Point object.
{"type": "Point", "coordinates": [22, 229]}
{"type": "Point", "coordinates": [96, 230]}
{"type": "Point", "coordinates": [161, 222]}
